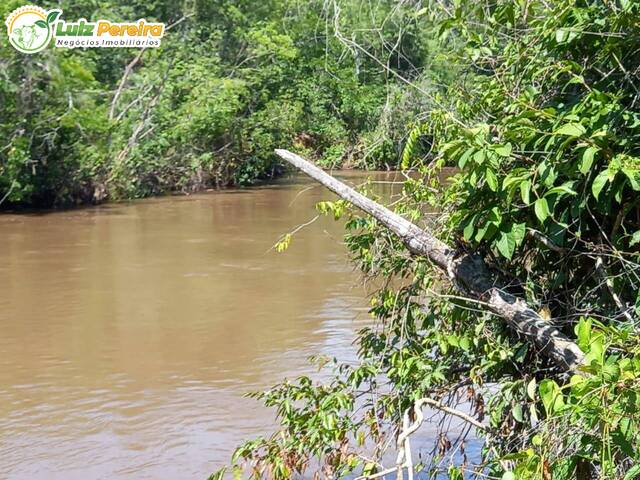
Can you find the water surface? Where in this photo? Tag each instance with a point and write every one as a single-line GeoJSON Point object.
{"type": "Point", "coordinates": [129, 333]}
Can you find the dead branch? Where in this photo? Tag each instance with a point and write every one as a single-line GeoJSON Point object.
{"type": "Point", "coordinates": [130, 66]}
{"type": "Point", "coordinates": [404, 459]}
{"type": "Point", "coordinates": [451, 411]}
{"type": "Point", "coordinates": [127, 71]}
{"type": "Point", "coordinates": [546, 241]}
{"type": "Point", "coordinates": [606, 278]}
{"type": "Point", "coordinates": [467, 272]}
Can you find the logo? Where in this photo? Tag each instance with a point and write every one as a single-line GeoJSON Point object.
{"type": "Point", "coordinates": [31, 29]}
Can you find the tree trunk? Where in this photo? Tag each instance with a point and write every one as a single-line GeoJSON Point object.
{"type": "Point", "coordinates": [468, 273]}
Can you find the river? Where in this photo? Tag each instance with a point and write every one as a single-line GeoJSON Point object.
{"type": "Point", "coordinates": [130, 332]}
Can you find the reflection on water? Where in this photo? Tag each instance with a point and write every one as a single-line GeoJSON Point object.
{"type": "Point", "coordinates": [129, 333]}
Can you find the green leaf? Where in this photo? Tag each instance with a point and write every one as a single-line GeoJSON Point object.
{"type": "Point", "coordinates": [510, 180]}
{"type": "Point", "coordinates": [41, 23]}
{"type": "Point", "coordinates": [633, 176]}
{"type": "Point", "coordinates": [595, 351]}
{"type": "Point", "coordinates": [635, 238]}
{"type": "Point", "coordinates": [551, 396]}
{"type": "Point", "coordinates": [283, 244]}
{"type": "Point", "coordinates": [504, 150]}
{"type": "Point", "coordinates": [531, 389]}
{"type": "Point", "coordinates": [525, 191]}
{"type": "Point", "coordinates": [218, 475]}
{"type": "Point", "coordinates": [615, 165]}
{"type": "Point", "coordinates": [597, 346]}
{"type": "Point", "coordinates": [506, 244]}
{"type": "Point", "coordinates": [564, 189]}
{"type": "Point", "coordinates": [583, 332]}
{"type": "Point", "coordinates": [469, 229]}
{"type": "Point", "coordinates": [518, 230]}
{"type": "Point", "coordinates": [486, 230]}
{"type": "Point", "coordinates": [571, 130]}
{"type": "Point", "coordinates": [623, 437]}
{"type": "Point", "coordinates": [369, 468]}
{"type": "Point", "coordinates": [541, 208]}
{"type": "Point", "coordinates": [562, 35]}
{"type": "Point", "coordinates": [465, 157]}
{"type": "Point", "coordinates": [510, 239]}
{"type": "Point", "coordinates": [547, 173]}
{"type": "Point", "coordinates": [479, 157]}
{"type": "Point", "coordinates": [495, 216]}
{"type": "Point", "coordinates": [448, 146]}
{"type": "Point", "coordinates": [587, 159]}
{"type": "Point", "coordinates": [599, 183]}
{"type": "Point", "coordinates": [516, 411]}
{"type": "Point", "coordinates": [633, 473]}
{"type": "Point", "coordinates": [454, 473]}
{"type": "Point", "coordinates": [600, 133]}
{"type": "Point", "coordinates": [610, 372]}
{"type": "Point", "coordinates": [492, 180]}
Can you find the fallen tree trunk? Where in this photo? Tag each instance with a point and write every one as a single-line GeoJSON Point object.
{"type": "Point", "coordinates": [468, 273]}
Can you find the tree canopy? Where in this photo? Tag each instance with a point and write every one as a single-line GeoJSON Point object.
{"type": "Point", "coordinates": [231, 81]}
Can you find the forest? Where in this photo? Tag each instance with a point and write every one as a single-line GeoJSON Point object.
{"type": "Point", "coordinates": [508, 290]}
{"type": "Point", "coordinates": [232, 81]}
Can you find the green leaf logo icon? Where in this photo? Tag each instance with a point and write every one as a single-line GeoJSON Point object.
{"type": "Point", "coordinates": [52, 16]}
{"type": "Point", "coordinates": [30, 28]}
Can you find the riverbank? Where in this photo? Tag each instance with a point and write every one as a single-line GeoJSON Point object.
{"type": "Point", "coordinates": [206, 109]}
{"type": "Point", "coordinates": [101, 197]}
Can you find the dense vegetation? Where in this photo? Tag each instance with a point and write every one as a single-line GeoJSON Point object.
{"type": "Point", "coordinates": [232, 81]}
{"type": "Point", "coordinates": [543, 121]}
{"type": "Point", "coordinates": [535, 102]}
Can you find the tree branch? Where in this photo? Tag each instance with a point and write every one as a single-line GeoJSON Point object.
{"type": "Point", "coordinates": [451, 411]}
{"type": "Point", "coordinates": [467, 272]}
{"type": "Point", "coordinates": [404, 459]}
{"type": "Point", "coordinates": [130, 66]}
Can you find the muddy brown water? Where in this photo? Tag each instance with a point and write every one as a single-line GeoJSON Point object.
{"type": "Point", "coordinates": [129, 333]}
